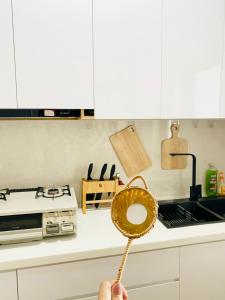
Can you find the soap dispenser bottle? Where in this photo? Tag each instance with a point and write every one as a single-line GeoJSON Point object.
{"type": "Point", "coordinates": [211, 180]}
{"type": "Point", "coordinates": [221, 184]}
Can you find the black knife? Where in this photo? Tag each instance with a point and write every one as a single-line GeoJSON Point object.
{"type": "Point", "coordinates": [90, 197]}
{"type": "Point", "coordinates": [112, 172]}
{"type": "Point", "coordinates": [99, 195]}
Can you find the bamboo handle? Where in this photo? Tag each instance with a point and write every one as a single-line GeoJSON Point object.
{"type": "Point", "coordinates": [138, 177]}
{"type": "Point", "coordinates": [124, 259]}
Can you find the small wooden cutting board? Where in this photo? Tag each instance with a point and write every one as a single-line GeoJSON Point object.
{"type": "Point", "coordinates": [174, 144]}
{"type": "Point", "coordinates": [130, 151]}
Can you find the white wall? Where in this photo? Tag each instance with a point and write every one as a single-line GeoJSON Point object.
{"type": "Point", "coordinates": [46, 153]}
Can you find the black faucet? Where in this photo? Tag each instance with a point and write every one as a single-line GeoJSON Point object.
{"type": "Point", "coordinates": [195, 190]}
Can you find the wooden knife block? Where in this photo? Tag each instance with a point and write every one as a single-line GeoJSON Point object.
{"type": "Point", "coordinates": [98, 186]}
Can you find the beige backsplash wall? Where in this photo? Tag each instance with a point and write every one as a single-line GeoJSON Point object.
{"type": "Point", "coordinates": [47, 153]}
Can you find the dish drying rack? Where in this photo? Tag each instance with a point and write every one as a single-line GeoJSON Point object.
{"type": "Point", "coordinates": [176, 216]}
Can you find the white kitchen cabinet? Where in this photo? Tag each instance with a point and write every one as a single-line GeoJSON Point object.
{"type": "Point", "coordinates": [8, 286]}
{"type": "Point", "coordinates": [82, 278]}
{"type": "Point", "coordinates": [202, 271]}
{"type": "Point", "coordinates": [192, 58]}
{"type": "Point", "coordinates": [166, 291]}
{"type": "Point", "coordinates": [53, 48]}
{"type": "Point", "coordinates": [222, 104]}
{"type": "Point", "coordinates": [7, 66]}
{"type": "Point", "coordinates": [127, 58]}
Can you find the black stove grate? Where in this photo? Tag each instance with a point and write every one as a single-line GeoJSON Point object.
{"type": "Point", "coordinates": [53, 192]}
{"type": "Point", "coordinates": [3, 194]}
{"type": "Point", "coordinates": [176, 216]}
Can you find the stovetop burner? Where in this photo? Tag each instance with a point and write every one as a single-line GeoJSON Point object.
{"type": "Point", "coordinates": [53, 192]}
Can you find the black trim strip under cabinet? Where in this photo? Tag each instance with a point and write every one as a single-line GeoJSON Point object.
{"type": "Point", "coordinates": [46, 113]}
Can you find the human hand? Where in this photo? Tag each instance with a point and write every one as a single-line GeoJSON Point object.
{"type": "Point", "coordinates": [112, 291]}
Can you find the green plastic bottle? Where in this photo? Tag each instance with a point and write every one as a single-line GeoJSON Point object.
{"type": "Point", "coordinates": [211, 181]}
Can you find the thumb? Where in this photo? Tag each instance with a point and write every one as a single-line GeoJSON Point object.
{"type": "Point", "coordinates": [117, 292]}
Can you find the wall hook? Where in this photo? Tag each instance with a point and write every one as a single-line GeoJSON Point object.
{"type": "Point", "coordinates": [195, 123]}
{"type": "Point", "coordinates": [211, 123]}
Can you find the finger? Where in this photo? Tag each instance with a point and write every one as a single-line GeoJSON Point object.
{"type": "Point", "coordinates": [125, 296]}
{"type": "Point", "coordinates": [117, 291]}
{"type": "Point", "coordinates": [124, 291]}
{"type": "Point", "coordinates": [105, 291]}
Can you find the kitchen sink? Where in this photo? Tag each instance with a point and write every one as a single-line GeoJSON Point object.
{"type": "Point", "coordinates": [181, 213]}
{"type": "Point", "coordinates": [216, 205]}
{"type": "Point", "coordinates": [194, 210]}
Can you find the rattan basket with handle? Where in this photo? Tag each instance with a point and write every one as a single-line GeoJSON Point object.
{"type": "Point", "coordinates": [122, 201]}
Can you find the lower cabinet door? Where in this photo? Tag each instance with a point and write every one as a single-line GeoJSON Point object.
{"type": "Point", "coordinates": [74, 279]}
{"type": "Point", "coordinates": [8, 286]}
{"type": "Point", "coordinates": [166, 291]}
{"type": "Point", "coordinates": [202, 271]}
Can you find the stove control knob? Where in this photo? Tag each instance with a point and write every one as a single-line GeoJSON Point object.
{"type": "Point", "coordinates": [67, 227]}
{"type": "Point", "coordinates": [52, 228]}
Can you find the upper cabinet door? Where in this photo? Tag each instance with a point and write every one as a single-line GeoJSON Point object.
{"type": "Point", "coordinates": [7, 66]}
{"type": "Point", "coordinates": [127, 58]}
{"type": "Point", "coordinates": [53, 47]}
{"type": "Point", "coordinates": [222, 104]}
{"type": "Point", "coordinates": [192, 54]}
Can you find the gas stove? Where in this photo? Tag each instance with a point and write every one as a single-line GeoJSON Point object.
{"type": "Point", "coordinates": [36, 213]}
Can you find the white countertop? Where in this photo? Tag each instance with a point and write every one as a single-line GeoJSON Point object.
{"type": "Point", "coordinates": [97, 237]}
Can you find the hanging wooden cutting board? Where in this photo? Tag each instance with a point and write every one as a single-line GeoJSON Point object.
{"type": "Point", "coordinates": [174, 144]}
{"type": "Point", "coordinates": [130, 151]}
